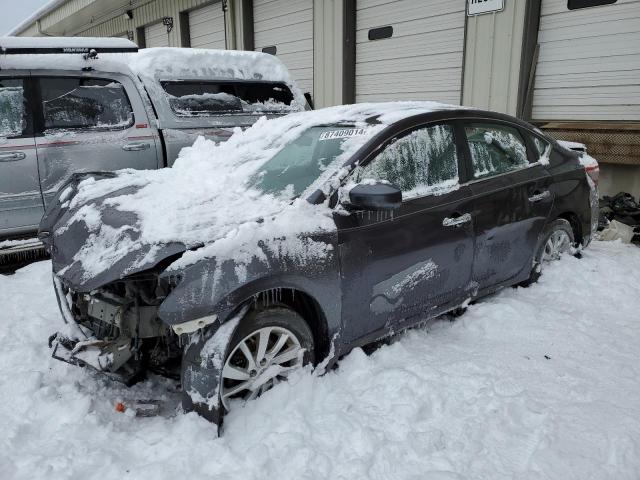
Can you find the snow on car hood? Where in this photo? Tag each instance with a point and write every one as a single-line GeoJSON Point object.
{"type": "Point", "coordinates": [129, 222]}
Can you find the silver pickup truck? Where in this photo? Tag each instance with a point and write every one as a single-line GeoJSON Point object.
{"type": "Point", "coordinates": [93, 104]}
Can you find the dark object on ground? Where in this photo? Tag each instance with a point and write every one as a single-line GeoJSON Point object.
{"type": "Point", "coordinates": [623, 208]}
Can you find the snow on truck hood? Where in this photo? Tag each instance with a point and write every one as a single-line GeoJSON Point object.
{"type": "Point", "coordinates": [134, 219]}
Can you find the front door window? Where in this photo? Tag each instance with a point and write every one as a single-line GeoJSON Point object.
{"type": "Point", "coordinates": [420, 163]}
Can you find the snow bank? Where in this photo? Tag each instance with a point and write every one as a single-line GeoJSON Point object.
{"type": "Point", "coordinates": [537, 383]}
{"type": "Point", "coordinates": [207, 197]}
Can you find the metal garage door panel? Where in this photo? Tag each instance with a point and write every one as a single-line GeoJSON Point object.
{"type": "Point", "coordinates": [589, 62]}
{"type": "Point", "coordinates": [422, 60]}
{"type": "Point", "coordinates": [287, 25]}
{"type": "Point", "coordinates": [156, 35]}
{"type": "Point", "coordinates": [206, 27]}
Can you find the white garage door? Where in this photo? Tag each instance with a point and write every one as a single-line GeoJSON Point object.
{"type": "Point", "coordinates": [286, 26]}
{"type": "Point", "coordinates": [589, 62]}
{"type": "Point", "coordinates": [156, 35]}
{"type": "Point", "coordinates": [421, 60]}
{"type": "Point", "coordinates": [206, 27]}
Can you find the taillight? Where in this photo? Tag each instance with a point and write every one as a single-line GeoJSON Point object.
{"type": "Point", "coordinates": [594, 172]}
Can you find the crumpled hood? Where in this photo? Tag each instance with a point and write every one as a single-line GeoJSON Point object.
{"type": "Point", "coordinates": [96, 240]}
{"type": "Point", "coordinates": [64, 238]}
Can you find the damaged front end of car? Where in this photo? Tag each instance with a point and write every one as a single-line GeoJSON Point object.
{"type": "Point", "coordinates": [115, 329]}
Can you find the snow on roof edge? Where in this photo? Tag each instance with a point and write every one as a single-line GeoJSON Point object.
{"type": "Point", "coordinates": [66, 42]}
{"type": "Point", "coordinates": [35, 16]}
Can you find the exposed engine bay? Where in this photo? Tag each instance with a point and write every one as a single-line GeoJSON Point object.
{"type": "Point", "coordinates": [119, 331]}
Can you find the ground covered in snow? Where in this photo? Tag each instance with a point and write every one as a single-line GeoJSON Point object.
{"type": "Point", "coordinates": [537, 383]}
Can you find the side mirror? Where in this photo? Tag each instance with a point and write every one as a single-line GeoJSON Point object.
{"type": "Point", "coordinates": [375, 196]}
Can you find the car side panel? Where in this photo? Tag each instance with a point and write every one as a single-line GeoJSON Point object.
{"type": "Point", "coordinates": [209, 288]}
{"type": "Point", "coordinates": [20, 198]}
{"type": "Point", "coordinates": [508, 223]}
{"type": "Point", "coordinates": [401, 267]}
{"type": "Point", "coordinates": [572, 192]}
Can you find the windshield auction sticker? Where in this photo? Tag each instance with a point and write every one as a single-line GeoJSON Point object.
{"type": "Point", "coordinates": [343, 133]}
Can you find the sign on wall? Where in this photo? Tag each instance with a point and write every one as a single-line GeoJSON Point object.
{"type": "Point", "coordinates": [476, 7]}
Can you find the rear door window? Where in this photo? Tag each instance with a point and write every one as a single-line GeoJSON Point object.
{"type": "Point", "coordinates": [13, 108]}
{"type": "Point", "coordinates": [495, 149]}
{"type": "Point", "coordinates": [204, 98]}
{"type": "Point", "coordinates": [424, 161]}
{"type": "Point", "coordinates": [84, 103]}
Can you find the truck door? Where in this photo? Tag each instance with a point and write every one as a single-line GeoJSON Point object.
{"type": "Point", "coordinates": [20, 198]}
{"type": "Point", "coordinates": [90, 123]}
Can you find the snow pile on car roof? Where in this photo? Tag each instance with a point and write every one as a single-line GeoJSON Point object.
{"type": "Point", "coordinates": [205, 196]}
{"type": "Point", "coordinates": [198, 63]}
{"type": "Point", "coordinates": [65, 42]}
{"type": "Point", "coordinates": [155, 64]}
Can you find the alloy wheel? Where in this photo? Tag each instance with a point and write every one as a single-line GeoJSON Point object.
{"type": "Point", "coordinates": [557, 244]}
{"type": "Point", "coordinates": [258, 362]}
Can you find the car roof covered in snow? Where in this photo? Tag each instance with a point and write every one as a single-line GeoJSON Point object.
{"type": "Point", "coordinates": [150, 63]}
{"type": "Point", "coordinates": [72, 44]}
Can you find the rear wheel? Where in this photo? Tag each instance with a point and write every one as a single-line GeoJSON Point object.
{"type": "Point", "coordinates": [265, 349]}
{"type": "Point", "coordinates": [557, 240]}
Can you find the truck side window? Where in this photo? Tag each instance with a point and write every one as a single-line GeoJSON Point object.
{"type": "Point", "coordinates": [84, 103]}
{"type": "Point", "coordinates": [13, 110]}
{"type": "Point", "coordinates": [203, 98]}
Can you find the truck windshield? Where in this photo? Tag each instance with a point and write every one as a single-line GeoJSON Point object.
{"type": "Point", "coordinates": [314, 154]}
{"type": "Point", "coordinates": [204, 98]}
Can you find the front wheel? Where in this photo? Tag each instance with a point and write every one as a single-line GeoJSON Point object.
{"type": "Point", "coordinates": [266, 347]}
{"type": "Point", "coordinates": [557, 239]}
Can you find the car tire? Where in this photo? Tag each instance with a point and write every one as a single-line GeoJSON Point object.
{"type": "Point", "coordinates": [270, 325]}
{"type": "Point", "coordinates": [557, 239]}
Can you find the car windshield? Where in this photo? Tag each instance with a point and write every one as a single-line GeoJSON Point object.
{"type": "Point", "coordinates": [312, 156]}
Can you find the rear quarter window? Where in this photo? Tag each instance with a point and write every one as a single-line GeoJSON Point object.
{"type": "Point", "coordinates": [541, 147]}
{"type": "Point", "coordinates": [206, 98]}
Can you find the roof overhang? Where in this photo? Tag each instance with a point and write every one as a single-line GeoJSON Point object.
{"type": "Point", "coordinates": [68, 17]}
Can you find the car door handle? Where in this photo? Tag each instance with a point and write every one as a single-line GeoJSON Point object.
{"type": "Point", "coordinates": [136, 147]}
{"type": "Point", "coordinates": [539, 196]}
{"type": "Point", "coordinates": [12, 156]}
{"type": "Point", "coordinates": [457, 221]}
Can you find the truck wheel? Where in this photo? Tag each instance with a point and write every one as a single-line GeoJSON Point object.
{"type": "Point", "coordinates": [265, 348]}
{"type": "Point", "coordinates": [557, 239]}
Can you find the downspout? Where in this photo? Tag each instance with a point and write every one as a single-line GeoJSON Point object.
{"type": "Point", "coordinates": [40, 31]}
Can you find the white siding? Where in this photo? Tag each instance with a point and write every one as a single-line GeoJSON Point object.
{"type": "Point", "coordinates": [156, 35]}
{"type": "Point", "coordinates": [206, 27]}
{"type": "Point", "coordinates": [287, 25]}
{"type": "Point", "coordinates": [421, 61]}
{"type": "Point", "coordinates": [589, 62]}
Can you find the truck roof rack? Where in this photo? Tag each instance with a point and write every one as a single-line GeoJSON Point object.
{"type": "Point", "coordinates": [50, 45]}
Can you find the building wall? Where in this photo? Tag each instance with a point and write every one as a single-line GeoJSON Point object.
{"type": "Point", "coordinates": [328, 34]}
{"type": "Point", "coordinates": [499, 49]}
{"type": "Point", "coordinates": [492, 58]}
{"type": "Point", "coordinates": [146, 14]}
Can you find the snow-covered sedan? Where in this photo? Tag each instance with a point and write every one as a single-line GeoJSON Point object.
{"type": "Point", "coordinates": [303, 237]}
